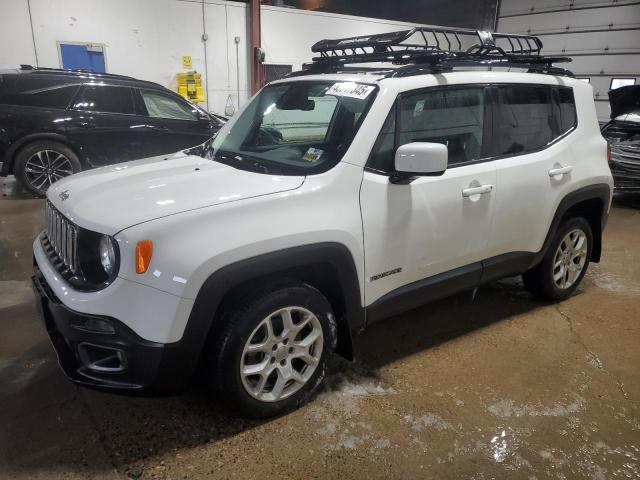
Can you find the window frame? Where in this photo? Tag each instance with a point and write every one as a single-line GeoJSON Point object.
{"type": "Point", "coordinates": [490, 121]}
{"type": "Point", "coordinates": [80, 92]}
{"type": "Point", "coordinates": [141, 108]}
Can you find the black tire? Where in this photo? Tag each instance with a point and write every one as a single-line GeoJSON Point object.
{"type": "Point", "coordinates": [539, 280]}
{"type": "Point", "coordinates": [225, 350]}
{"type": "Point", "coordinates": [27, 176]}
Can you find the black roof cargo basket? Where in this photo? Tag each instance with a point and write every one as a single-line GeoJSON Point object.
{"type": "Point", "coordinates": [429, 49]}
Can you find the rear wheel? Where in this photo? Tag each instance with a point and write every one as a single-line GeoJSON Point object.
{"type": "Point", "coordinates": [565, 263]}
{"type": "Point", "coordinates": [272, 354]}
{"type": "Point", "coordinates": [40, 164]}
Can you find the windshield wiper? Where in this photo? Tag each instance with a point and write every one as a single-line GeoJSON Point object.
{"type": "Point", "coordinates": [240, 161]}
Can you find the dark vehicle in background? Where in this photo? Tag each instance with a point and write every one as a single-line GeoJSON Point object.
{"type": "Point", "coordinates": [623, 135]}
{"type": "Point", "coordinates": [57, 122]}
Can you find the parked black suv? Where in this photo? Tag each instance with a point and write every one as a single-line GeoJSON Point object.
{"type": "Point", "coordinates": [623, 135]}
{"type": "Point", "coordinates": [57, 122]}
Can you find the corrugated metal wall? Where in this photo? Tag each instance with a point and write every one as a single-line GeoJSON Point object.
{"type": "Point", "coordinates": [602, 37]}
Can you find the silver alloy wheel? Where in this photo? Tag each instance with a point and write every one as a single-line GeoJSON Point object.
{"type": "Point", "coordinates": [46, 167]}
{"type": "Point", "coordinates": [570, 259]}
{"type": "Point", "coordinates": [281, 354]}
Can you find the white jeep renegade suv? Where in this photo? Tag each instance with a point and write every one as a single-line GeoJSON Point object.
{"type": "Point", "coordinates": [331, 201]}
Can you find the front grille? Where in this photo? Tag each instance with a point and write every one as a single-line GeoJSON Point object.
{"type": "Point", "coordinates": [61, 240]}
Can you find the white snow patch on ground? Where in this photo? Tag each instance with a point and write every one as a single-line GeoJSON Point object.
{"type": "Point", "coordinates": [429, 420]}
{"type": "Point", "coordinates": [352, 385]}
{"type": "Point", "coordinates": [613, 282]}
{"type": "Point", "coordinates": [509, 408]}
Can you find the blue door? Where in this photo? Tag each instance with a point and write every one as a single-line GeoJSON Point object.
{"type": "Point", "coordinates": [85, 57]}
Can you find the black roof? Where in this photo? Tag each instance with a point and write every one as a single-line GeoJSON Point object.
{"type": "Point", "coordinates": [81, 76]}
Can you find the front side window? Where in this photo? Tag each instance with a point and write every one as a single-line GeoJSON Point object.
{"type": "Point", "coordinates": [451, 116]}
{"type": "Point", "coordinates": [524, 119]}
{"type": "Point", "coordinates": [163, 106]}
{"type": "Point", "coordinates": [295, 128]}
{"type": "Point", "coordinates": [105, 99]}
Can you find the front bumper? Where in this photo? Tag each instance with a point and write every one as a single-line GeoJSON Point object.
{"type": "Point", "coordinates": [103, 353]}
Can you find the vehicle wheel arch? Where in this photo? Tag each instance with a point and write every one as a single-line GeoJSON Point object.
{"type": "Point", "coordinates": [25, 141]}
{"type": "Point", "coordinates": [329, 267]}
{"type": "Point", "coordinates": [590, 202]}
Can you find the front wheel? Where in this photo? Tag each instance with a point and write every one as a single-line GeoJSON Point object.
{"type": "Point", "coordinates": [272, 354]}
{"type": "Point", "coordinates": [565, 263]}
{"type": "Point", "coordinates": [41, 163]}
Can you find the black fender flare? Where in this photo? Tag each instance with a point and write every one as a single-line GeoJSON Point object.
{"type": "Point", "coordinates": [334, 256]}
{"type": "Point", "coordinates": [7, 167]}
{"type": "Point", "coordinates": [598, 191]}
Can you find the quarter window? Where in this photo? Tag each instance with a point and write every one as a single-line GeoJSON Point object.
{"type": "Point", "coordinates": [106, 99]}
{"type": "Point", "coordinates": [58, 97]}
{"type": "Point", "coordinates": [163, 106]}
{"type": "Point", "coordinates": [568, 118]}
{"type": "Point", "coordinates": [382, 155]}
{"type": "Point", "coordinates": [524, 119]}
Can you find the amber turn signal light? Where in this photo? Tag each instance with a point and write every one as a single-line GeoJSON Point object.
{"type": "Point", "coordinates": [144, 252]}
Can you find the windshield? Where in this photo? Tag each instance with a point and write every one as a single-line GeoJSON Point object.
{"type": "Point", "coordinates": [295, 128]}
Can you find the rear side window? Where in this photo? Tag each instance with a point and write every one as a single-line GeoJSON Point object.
{"type": "Point", "coordinates": [524, 119]}
{"type": "Point", "coordinates": [163, 106]}
{"type": "Point", "coordinates": [23, 94]}
{"type": "Point", "coordinates": [568, 118]}
{"type": "Point", "coordinates": [106, 99]}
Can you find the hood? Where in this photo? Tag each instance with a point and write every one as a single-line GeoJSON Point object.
{"type": "Point", "coordinates": [624, 100]}
{"type": "Point", "coordinates": [112, 198]}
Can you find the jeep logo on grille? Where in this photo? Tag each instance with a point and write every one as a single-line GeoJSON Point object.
{"type": "Point", "coordinates": [64, 195]}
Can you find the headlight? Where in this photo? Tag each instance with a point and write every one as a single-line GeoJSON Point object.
{"type": "Point", "coordinates": [98, 258]}
{"type": "Point", "coordinates": [107, 254]}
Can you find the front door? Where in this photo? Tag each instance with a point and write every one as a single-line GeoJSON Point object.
{"type": "Point", "coordinates": [436, 224]}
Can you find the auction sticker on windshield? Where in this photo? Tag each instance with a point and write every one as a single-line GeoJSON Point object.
{"type": "Point", "coordinates": [350, 89]}
{"type": "Point", "coordinates": [312, 155]}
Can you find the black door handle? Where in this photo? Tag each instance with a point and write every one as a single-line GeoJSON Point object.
{"type": "Point", "coordinates": [159, 129]}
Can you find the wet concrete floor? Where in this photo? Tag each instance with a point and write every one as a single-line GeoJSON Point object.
{"type": "Point", "coordinates": [500, 386]}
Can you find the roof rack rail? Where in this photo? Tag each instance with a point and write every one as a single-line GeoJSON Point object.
{"type": "Point", "coordinates": [72, 71]}
{"type": "Point", "coordinates": [429, 49]}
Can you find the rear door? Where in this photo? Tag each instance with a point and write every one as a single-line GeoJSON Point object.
{"type": "Point", "coordinates": [533, 162]}
{"type": "Point", "coordinates": [169, 123]}
{"type": "Point", "coordinates": [103, 126]}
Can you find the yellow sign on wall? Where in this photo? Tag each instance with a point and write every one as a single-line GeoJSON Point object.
{"type": "Point", "coordinates": [186, 61]}
{"type": "Point", "coordinates": [190, 86]}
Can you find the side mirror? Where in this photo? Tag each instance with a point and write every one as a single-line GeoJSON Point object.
{"type": "Point", "coordinates": [419, 159]}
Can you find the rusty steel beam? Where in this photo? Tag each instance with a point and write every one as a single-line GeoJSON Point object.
{"type": "Point", "coordinates": [256, 67]}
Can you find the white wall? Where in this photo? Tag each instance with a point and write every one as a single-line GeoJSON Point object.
{"type": "Point", "coordinates": [147, 38]}
{"type": "Point", "coordinates": [603, 36]}
{"type": "Point", "coordinates": [16, 45]}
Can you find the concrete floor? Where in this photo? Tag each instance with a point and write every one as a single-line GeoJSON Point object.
{"type": "Point", "coordinates": [496, 387]}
